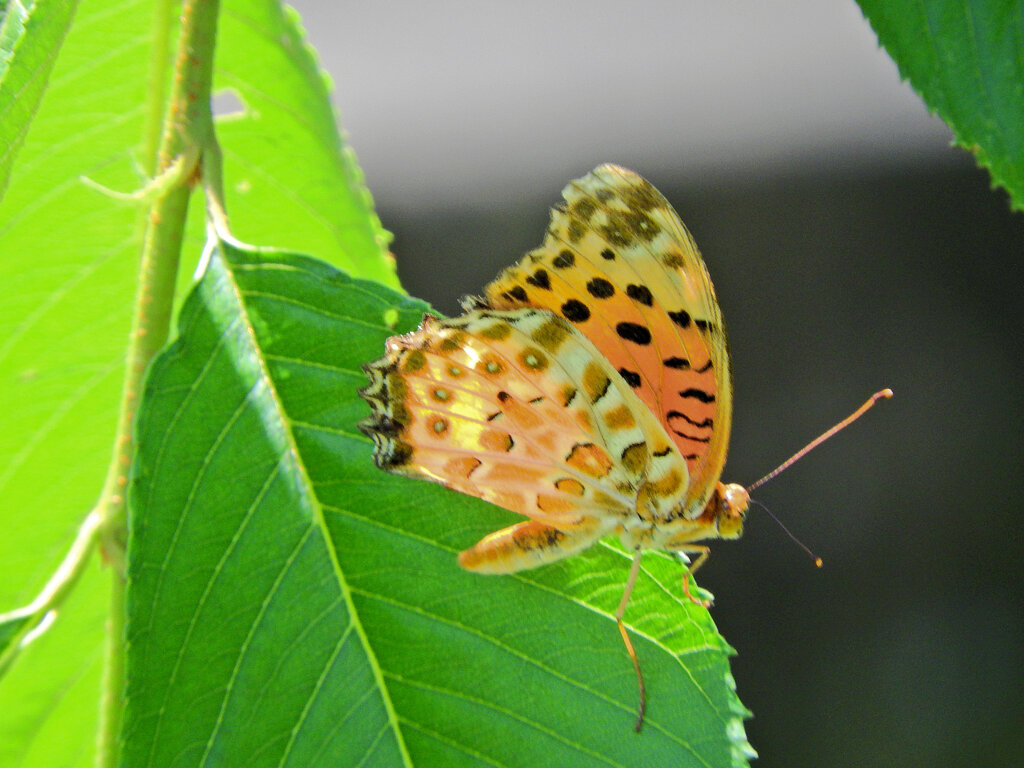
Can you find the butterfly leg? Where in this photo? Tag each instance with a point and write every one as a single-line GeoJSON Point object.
{"type": "Point", "coordinates": [703, 552]}
{"type": "Point", "coordinates": [630, 583]}
{"type": "Point", "coordinates": [529, 544]}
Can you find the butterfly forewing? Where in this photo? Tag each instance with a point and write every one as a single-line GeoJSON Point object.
{"type": "Point", "coordinates": [620, 266]}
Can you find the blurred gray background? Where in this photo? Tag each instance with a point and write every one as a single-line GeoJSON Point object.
{"type": "Point", "coordinates": [851, 248]}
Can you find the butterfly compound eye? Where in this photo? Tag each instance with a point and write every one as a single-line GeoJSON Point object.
{"type": "Point", "coordinates": [732, 509]}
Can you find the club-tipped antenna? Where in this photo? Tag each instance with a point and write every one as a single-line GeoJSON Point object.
{"type": "Point", "coordinates": [884, 394]}
{"type": "Point", "coordinates": [817, 560]}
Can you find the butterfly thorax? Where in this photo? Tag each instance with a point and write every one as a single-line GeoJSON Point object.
{"type": "Point", "coordinates": [722, 518]}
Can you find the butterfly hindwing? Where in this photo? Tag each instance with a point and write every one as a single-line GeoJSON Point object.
{"type": "Point", "coordinates": [520, 409]}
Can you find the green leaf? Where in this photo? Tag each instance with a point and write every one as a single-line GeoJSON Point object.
{"type": "Point", "coordinates": [31, 35]}
{"type": "Point", "coordinates": [290, 179]}
{"type": "Point", "coordinates": [966, 59]}
{"type": "Point", "coordinates": [69, 266]}
{"type": "Point", "coordinates": [289, 603]}
{"type": "Point", "coordinates": [70, 255]}
{"type": "Point", "coordinates": [49, 696]}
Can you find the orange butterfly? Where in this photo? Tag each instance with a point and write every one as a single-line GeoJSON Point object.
{"type": "Point", "coordinates": [589, 389]}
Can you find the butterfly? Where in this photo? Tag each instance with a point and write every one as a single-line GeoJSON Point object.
{"type": "Point", "coordinates": [589, 388]}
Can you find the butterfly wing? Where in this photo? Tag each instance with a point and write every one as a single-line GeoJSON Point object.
{"type": "Point", "coordinates": [620, 266]}
{"type": "Point", "coordinates": [520, 409]}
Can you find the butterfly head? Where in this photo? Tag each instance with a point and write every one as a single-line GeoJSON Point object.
{"type": "Point", "coordinates": [733, 501]}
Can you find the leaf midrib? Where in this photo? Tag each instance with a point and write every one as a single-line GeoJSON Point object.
{"type": "Point", "coordinates": [305, 482]}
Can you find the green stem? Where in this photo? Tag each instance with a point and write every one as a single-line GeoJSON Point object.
{"type": "Point", "coordinates": [188, 128]}
{"type": "Point", "coordinates": [187, 132]}
{"type": "Point", "coordinates": [158, 80]}
{"type": "Point", "coordinates": [112, 687]}
{"type": "Point", "coordinates": [52, 595]}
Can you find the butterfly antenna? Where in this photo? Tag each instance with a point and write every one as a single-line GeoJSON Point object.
{"type": "Point", "coordinates": [817, 560]}
{"type": "Point", "coordinates": [884, 394]}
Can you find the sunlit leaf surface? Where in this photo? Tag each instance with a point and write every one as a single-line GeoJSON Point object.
{"type": "Point", "coordinates": [289, 603]}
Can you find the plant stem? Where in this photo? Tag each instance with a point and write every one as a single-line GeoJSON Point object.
{"type": "Point", "coordinates": [187, 132]}
{"type": "Point", "coordinates": [188, 126]}
{"type": "Point", "coordinates": [164, 25]}
{"type": "Point", "coordinates": [53, 594]}
{"type": "Point", "coordinates": [112, 686]}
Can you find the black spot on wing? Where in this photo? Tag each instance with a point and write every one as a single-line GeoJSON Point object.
{"type": "Point", "coordinates": [680, 318]}
{"type": "Point", "coordinates": [640, 293]}
{"type": "Point", "coordinates": [632, 377]}
{"type": "Point", "coordinates": [541, 279]}
{"type": "Point", "coordinates": [576, 311]}
{"type": "Point", "coordinates": [634, 332]}
{"type": "Point", "coordinates": [600, 288]}
{"type": "Point", "coordinates": [564, 259]}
